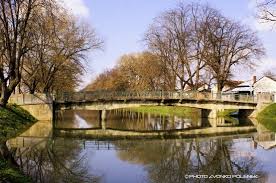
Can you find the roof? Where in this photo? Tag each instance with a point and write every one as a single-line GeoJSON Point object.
{"type": "Point", "coordinates": [243, 86]}
{"type": "Point", "coordinates": [248, 86]}
{"type": "Point", "coordinates": [270, 77]}
{"type": "Point", "coordinates": [201, 86]}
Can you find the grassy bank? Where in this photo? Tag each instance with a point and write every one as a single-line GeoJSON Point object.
{"type": "Point", "coordinates": [166, 110]}
{"type": "Point", "coordinates": [268, 117]}
{"type": "Point", "coordinates": [13, 121]}
{"type": "Point", "coordinates": [226, 112]}
{"type": "Point", "coordinates": [11, 174]}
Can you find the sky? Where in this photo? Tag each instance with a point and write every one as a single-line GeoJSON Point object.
{"type": "Point", "coordinates": [122, 24]}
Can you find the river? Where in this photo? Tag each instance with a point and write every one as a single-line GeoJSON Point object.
{"type": "Point", "coordinates": [49, 158]}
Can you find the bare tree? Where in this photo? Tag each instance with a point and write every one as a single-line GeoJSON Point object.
{"type": "Point", "coordinates": [15, 33]}
{"type": "Point", "coordinates": [228, 44]}
{"type": "Point", "coordinates": [266, 10]}
{"type": "Point", "coordinates": [57, 60]}
{"type": "Point", "coordinates": [192, 39]}
{"type": "Point", "coordinates": [269, 73]}
{"type": "Point", "coordinates": [42, 41]}
{"type": "Point", "coordinates": [176, 36]}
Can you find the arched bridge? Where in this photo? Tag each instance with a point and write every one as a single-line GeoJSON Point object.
{"type": "Point", "coordinates": [210, 103]}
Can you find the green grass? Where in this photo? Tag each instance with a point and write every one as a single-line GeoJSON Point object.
{"type": "Point", "coordinates": [13, 121]}
{"type": "Point", "coordinates": [166, 110]}
{"type": "Point", "coordinates": [9, 174]}
{"type": "Point", "coordinates": [226, 112]}
{"type": "Point", "coordinates": [267, 117]}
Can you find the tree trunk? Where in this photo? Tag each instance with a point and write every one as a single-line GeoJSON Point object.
{"type": "Point", "coordinates": [5, 98]}
{"type": "Point", "coordinates": [7, 155]}
{"type": "Point", "coordinates": [32, 89]}
{"type": "Point", "coordinates": [220, 85]}
{"type": "Point", "coordinates": [5, 95]}
{"type": "Point", "coordinates": [7, 91]}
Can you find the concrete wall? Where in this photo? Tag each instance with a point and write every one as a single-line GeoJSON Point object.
{"type": "Point", "coordinates": [38, 105]}
{"type": "Point", "coordinates": [23, 99]}
{"type": "Point", "coordinates": [39, 111]}
{"type": "Point", "coordinates": [37, 135]}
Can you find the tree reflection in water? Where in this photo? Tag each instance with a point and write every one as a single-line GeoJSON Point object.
{"type": "Point", "coordinates": [171, 160]}
{"type": "Point", "coordinates": [58, 161]}
{"type": "Point", "coordinates": [125, 119]}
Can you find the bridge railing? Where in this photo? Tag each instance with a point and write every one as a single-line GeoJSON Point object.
{"type": "Point", "coordinates": [103, 95]}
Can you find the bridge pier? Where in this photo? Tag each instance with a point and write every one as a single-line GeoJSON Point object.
{"type": "Point", "coordinates": [102, 120]}
{"type": "Point", "coordinates": [210, 113]}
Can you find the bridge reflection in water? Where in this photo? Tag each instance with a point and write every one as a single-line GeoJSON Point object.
{"type": "Point", "coordinates": [75, 123]}
{"type": "Point", "coordinates": [49, 158]}
{"type": "Point", "coordinates": [62, 159]}
{"type": "Point", "coordinates": [125, 123]}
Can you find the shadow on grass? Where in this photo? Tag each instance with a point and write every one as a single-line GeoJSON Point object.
{"type": "Point", "coordinates": [267, 117]}
{"type": "Point", "coordinates": [268, 123]}
{"type": "Point", "coordinates": [14, 111]}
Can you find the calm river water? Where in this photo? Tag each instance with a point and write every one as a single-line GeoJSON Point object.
{"type": "Point", "coordinates": [55, 159]}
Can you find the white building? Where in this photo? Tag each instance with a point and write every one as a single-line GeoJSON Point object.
{"type": "Point", "coordinates": [264, 88]}
{"type": "Point", "coordinates": [243, 88]}
{"type": "Point", "coordinates": [265, 85]}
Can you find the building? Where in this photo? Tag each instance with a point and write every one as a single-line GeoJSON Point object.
{"type": "Point", "coordinates": [265, 84]}
{"type": "Point", "coordinates": [264, 88]}
{"type": "Point", "coordinates": [245, 87]}
{"type": "Point", "coordinates": [229, 85]}
{"type": "Point", "coordinates": [202, 87]}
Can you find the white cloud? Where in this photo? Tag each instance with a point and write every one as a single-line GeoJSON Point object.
{"type": "Point", "coordinates": [261, 26]}
{"type": "Point", "coordinates": [267, 64]}
{"type": "Point", "coordinates": [77, 7]}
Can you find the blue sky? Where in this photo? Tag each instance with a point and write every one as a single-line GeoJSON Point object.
{"type": "Point", "coordinates": [122, 24]}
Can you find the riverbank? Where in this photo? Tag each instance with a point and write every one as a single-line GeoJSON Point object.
{"type": "Point", "coordinates": [267, 117]}
{"type": "Point", "coordinates": [13, 121]}
{"type": "Point", "coordinates": [177, 111]}
{"type": "Point", "coordinates": [166, 110]}
{"type": "Point", "coordinates": [227, 112]}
